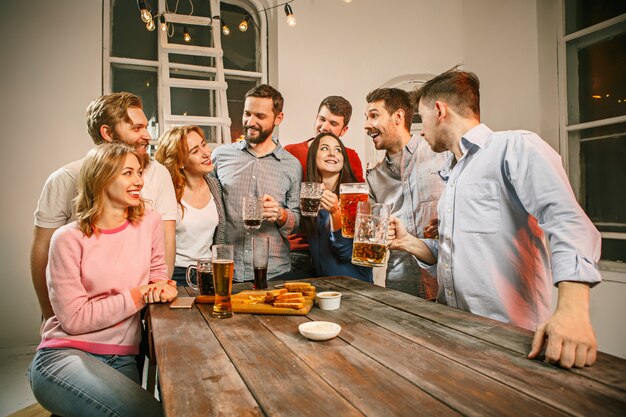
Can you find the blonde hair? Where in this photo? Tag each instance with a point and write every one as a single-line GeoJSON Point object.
{"type": "Point", "coordinates": [172, 152]}
{"type": "Point", "coordinates": [100, 168]}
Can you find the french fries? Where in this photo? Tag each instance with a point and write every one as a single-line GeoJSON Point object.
{"type": "Point", "coordinates": [291, 296]}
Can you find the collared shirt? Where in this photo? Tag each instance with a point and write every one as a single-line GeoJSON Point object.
{"type": "Point", "coordinates": [409, 187]}
{"type": "Point", "coordinates": [242, 173]}
{"type": "Point", "coordinates": [506, 190]}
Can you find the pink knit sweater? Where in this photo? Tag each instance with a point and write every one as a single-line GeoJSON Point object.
{"type": "Point", "coordinates": [93, 283]}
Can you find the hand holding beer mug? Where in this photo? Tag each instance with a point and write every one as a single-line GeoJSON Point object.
{"type": "Point", "coordinates": [370, 234]}
{"type": "Point", "coordinates": [252, 212]}
{"type": "Point", "coordinates": [350, 194]}
{"type": "Point", "coordinates": [260, 256]}
{"type": "Point", "coordinates": [223, 270]}
{"type": "Point", "coordinates": [204, 277]}
{"type": "Point", "coordinates": [310, 197]}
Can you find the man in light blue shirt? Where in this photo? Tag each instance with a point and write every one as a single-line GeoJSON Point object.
{"type": "Point", "coordinates": [504, 190]}
{"type": "Point", "coordinates": [260, 166]}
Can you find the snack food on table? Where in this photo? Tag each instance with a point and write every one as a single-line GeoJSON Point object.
{"type": "Point", "coordinates": [285, 304]}
{"type": "Point", "coordinates": [299, 286]}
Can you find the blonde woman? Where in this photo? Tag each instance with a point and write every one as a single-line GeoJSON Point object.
{"type": "Point", "coordinates": [200, 224]}
{"type": "Point", "coordinates": [103, 269]}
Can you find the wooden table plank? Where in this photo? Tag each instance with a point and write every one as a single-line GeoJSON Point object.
{"type": "Point", "coordinates": [196, 377]}
{"type": "Point", "coordinates": [564, 390]}
{"type": "Point", "coordinates": [282, 383]}
{"type": "Point", "coordinates": [469, 392]}
{"type": "Point", "coordinates": [364, 382]}
{"type": "Point", "coordinates": [609, 370]}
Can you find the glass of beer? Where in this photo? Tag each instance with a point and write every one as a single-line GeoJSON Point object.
{"type": "Point", "coordinates": [350, 194]}
{"type": "Point", "coordinates": [223, 270]}
{"type": "Point", "coordinates": [260, 256]}
{"type": "Point", "coordinates": [204, 277]}
{"type": "Point", "coordinates": [310, 198]}
{"type": "Point", "coordinates": [252, 212]}
{"type": "Point", "coordinates": [370, 234]}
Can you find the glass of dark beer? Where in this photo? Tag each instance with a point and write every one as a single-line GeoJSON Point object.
{"type": "Point", "coordinates": [370, 235]}
{"type": "Point", "coordinates": [310, 198]}
{"type": "Point", "coordinates": [260, 256]}
{"type": "Point", "coordinates": [204, 276]}
{"type": "Point", "coordinates": [252, 212]}
{"type": "Point", "coordinates": [350, 194]}
{"type": "Point", "coordinates": [223, 271]}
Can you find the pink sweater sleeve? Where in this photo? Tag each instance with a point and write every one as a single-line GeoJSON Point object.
{"type": "Point", "coordinates": [158, 268]}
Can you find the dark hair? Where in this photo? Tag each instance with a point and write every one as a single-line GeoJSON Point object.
{"type": "Point", "coordinates": [110, 110]}
{"type": "Point", "coordinates": [267, 91]}
{"type": "Point", "coordinates": [460, 89]}
{"type": "Point", "coordinates": [394, 99]}
{"type": "Point", "coordinates": [313, 175]}
{"type": "Point", "coordinates": [338, 106]}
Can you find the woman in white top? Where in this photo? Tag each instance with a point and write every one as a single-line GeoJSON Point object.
{"type": "Point", "coordinates": [200, 224]}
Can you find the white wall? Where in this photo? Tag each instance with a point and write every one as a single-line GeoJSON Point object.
{"type": "Point", "coordinates": [354, 48]}
{"type": "Point", "coordinates": [51, 70]}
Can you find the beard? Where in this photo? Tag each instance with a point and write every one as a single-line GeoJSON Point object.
{"type": "Point", "coordinates": [144, 157]}
{"type": "Point", "coordinates": [262, 134]}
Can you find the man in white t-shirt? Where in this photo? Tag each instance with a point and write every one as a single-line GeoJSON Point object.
{"type": "Point", "coordinates": [116, 117]}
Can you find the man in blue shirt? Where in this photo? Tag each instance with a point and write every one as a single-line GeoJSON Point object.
{"type": "Point", "coordinates": [503, 191]}
{"type": "Point", "coordinates": [260, 166]}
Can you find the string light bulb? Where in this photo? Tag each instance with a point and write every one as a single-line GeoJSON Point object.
{"type": "Point", "coordinates": [146, 16]}
{"type": "Point", "coordinates": [163, 23]}
{"type": "Point", "coordinates": [186, 35]}
{"type": "Point", "coordinates": [243, 26]}
{"type": "Point", "coordinates": [225, 28]}
{"type": "Point", "coordinates": [150, 25]}
{"type": "Point", "coordinates": [291, 19]}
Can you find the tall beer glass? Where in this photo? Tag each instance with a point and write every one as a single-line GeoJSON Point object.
{"type": "Point", "coordinates": [349, 196]}
{"type": "Point", "coordinates": [223, 270]}
{"type": "Point", "coordinates": [370, 235]}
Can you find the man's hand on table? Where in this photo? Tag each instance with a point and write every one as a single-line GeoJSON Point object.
{"type": "Point", "coordinates": [571, 340]}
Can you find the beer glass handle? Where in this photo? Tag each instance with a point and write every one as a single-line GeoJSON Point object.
{"type": "Point", "coordinates": [188, 277]}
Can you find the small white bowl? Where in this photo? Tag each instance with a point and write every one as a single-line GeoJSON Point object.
{"type": "Point", "coordinates": [319, 330]}
{"type": "Point", "coordinates": [329, 300]}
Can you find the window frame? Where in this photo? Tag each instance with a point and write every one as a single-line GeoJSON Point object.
{"type": "Point", "coordinates": [569, 140]}
{"type": "Point", "coordinates": [253, 7]}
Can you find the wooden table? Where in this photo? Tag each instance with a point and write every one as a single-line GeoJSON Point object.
{"type": "Point", "coordinates": [396, 355]}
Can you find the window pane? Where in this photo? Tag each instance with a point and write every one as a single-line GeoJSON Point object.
{"type": "Point", "coordinates": [601, 90]}
{"type": "Point", "coordinates": [239, 47]}
{"type": "Point", "coordinates": [237, 89]}
{"type": "Point", "coordinates": [580, 14]}
{"type": "Point", "coordinates": [614, 250]}
{"type": "Point", "coordinates": [144, 84]}
{"type": "Point", "coordinates": [603, 174]}
{"type": "Point", "coordinates": [130, 39]}
{"type": "Point", "coordinates": [193, 102]}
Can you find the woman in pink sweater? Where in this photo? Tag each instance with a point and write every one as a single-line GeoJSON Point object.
{"type": "Point", "coordinates": [102, 270]}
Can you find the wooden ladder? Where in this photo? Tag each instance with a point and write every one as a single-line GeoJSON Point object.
{"type": "Point", "coordinates": [218, 106]}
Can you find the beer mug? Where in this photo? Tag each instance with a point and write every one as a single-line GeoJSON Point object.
{"type": "Point", "coordinates": [350, 194]}
{"type": "Point", "coordinates": [204, 277]}
{"type": "Point", "coordinates": [310, 198]}
{"type": "Point", "coordinates": [252, 208]}
{"type": "Point", "coordinates": [223, 271]}
{"type": "Point", "coordinates": [370, 234]}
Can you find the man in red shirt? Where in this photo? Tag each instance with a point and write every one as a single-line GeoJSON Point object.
{"type": "Point", "coordinates": [333, 115]}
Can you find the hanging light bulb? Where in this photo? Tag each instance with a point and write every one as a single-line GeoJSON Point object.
{"type": "Point", "coordinates": [291, 19]}
{"type": "Point", "coordinates": [186, 35]}
{"type": "Point", "coordinates": [347, 1]}
{"type": "Point", "coordinates": [146, 16]}
{"type": "Point", "coordinates": [150, 25]}
{"type": "Point", "coordinates": [163, 23]}
{"type": "Point", "coordinates": [243, 26]}
{"type": "Point", "coordinates": [225, 28]}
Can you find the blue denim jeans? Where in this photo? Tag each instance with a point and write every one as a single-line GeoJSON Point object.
{"type": "Point", "coordinates": [70, 382]}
